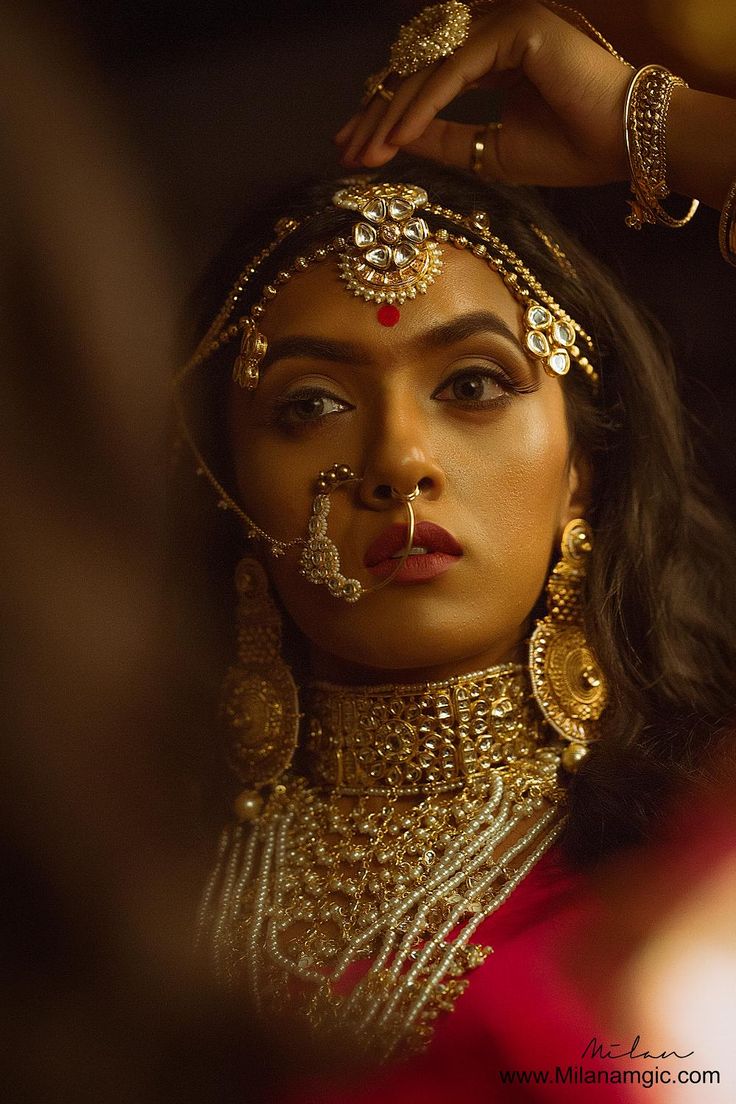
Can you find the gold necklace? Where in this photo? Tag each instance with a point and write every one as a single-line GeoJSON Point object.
{"type": "Point", "coordinates": [356, 893]}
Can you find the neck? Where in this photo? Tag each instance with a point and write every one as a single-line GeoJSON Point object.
{"type": "Point", "coordinates": [334, 669]}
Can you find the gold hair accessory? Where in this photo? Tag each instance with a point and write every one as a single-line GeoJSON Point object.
{"type": "Point", "coordinates": [567, 681]}
{"type": "Point", "coordinates": [259, 698]}
{"type": "Point", "coordinates": [391, 257]}
{"type": "Point", "coordinates": [645, 125]}
{"type": "Point", "coordinates": [727, 227]}
{"type": "Point", "coordinates": [434, 33]}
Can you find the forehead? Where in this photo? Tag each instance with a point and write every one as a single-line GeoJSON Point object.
{"type": "Point", "coordinates": [317, 301]}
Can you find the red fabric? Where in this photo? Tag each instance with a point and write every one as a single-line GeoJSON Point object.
{"type": "Point", "coordinates": [521, 1012]}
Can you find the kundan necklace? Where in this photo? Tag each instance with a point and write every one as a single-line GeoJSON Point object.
{"type": "Point", "coordinates": [415, 814]}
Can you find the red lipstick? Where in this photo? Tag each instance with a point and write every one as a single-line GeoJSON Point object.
{"type": "Point", "coordinates": [436, 551]}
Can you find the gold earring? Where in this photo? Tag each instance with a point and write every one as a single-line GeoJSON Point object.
{"type": "Point", "coordinates": [259, 696]}
{"type": "Point", "coordinates": [567, 682]}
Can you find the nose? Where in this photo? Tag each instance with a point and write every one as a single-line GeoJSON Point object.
{"type": "Point", "coordinates": [400, 467]}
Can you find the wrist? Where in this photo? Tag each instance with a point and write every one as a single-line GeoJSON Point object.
{"type": "Point", "coordinates": [701, 145]}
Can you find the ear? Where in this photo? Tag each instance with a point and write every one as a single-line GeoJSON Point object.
{"type": "Point", "coordinates": [576, 501]}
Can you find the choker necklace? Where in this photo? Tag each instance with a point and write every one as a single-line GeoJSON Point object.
{"type": "Point", "coordinates": [354, 896]}
{"type": "Point", "coordinates": [429, 738]}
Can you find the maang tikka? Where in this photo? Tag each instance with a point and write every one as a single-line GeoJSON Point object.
{"type": "Point", "coordinates": [390, 255]}
{"type": "Point", "coordinates": [567, 681]}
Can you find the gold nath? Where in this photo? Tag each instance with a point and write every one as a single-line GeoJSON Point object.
{"type": "Point", "coordinates": [393, 255]}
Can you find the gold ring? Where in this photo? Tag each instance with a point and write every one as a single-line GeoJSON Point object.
{"type": "Point", "coordinates": [374, 86]}
{"type": "Point", "coordinates": [478, 151]}
{"type": "Point", "coordinates": [406, 497]}
{"type": "Point", "coordinates": [478, 148]}
{"type": "Point", "coordinates": [385, 93]}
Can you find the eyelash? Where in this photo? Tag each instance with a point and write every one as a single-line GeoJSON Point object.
{"type": "Point", "coordinates": [283, 407]}
{"type": "Point", "coordinates": [483, 372]}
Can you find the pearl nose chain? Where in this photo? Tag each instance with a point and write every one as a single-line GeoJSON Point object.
{"type": "Point", "coordinates": [320, 560]}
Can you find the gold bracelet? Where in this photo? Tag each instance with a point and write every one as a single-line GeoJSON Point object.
{"type": "Point", "coordinates": [727, 227]}
{"type": "Point", "coordinates": [645, 124]}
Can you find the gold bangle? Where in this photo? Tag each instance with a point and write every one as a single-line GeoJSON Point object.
{"type": "Point", "coordinates": [727, 227]}
{"type": "Point", "coordinates": [645, 125]}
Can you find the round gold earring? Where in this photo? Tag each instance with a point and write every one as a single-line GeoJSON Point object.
{"type": "Point", "coordinates": [567, 681]}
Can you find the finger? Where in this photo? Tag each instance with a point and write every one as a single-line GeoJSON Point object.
{"type": "Point", "coordinates": [344, 133]}
{"type": "Point", "coordinates": [376, 151]}
{"type": "Point", "coordinates": [445, 142]}
{"type": "Point", "coordinates": [442, 86]}
{"type": "Point", "coordinates": [364, 128]}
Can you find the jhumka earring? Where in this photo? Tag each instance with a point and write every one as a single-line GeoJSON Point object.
{"type": "Point", "coordinates": [259, 697]}
{"type": "Point", "coordinates": [567, 682]}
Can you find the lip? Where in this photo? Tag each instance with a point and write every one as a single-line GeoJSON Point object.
{"type": "Point", "coordinates": [442, 552]}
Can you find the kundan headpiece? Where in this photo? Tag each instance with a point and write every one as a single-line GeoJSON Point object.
{"type": "Point", "coordinates": [391, 255]}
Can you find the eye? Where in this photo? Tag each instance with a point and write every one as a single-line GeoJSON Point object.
{"type": "Point", "coordinates": [478, 387]}
{"type": "Point", "coordinates": [309, 405]}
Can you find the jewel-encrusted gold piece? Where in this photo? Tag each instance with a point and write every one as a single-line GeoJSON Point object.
{"type": "Point", "coordinates": [645, 126]}
{"type": "Point", "coordinates": [568, 682]}
{"type": "Point", "coordinates": [319, 561]}
{"type": "Point", "coordinates": [436, 32]}
{"type": "Point", "coordinates": [259, 697]}
{"type": "Point", "coordinates": [253, 347]}
{"type": "Point", "coordinates": [357, 909]}
{"type": "Point", "coordinates": [433, 737]}
{"type": "Point", "coordinates": [391, 257]}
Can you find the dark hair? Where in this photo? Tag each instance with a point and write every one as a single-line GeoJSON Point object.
{"type": "Point", "coordinates": [660, 589]}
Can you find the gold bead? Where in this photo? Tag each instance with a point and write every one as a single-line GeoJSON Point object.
{"type": "Point", "coordinates": [573, 756]}
{"type": "Point", "coordinates": [247, 805]}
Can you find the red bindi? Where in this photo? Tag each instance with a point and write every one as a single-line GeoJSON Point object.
{"type": "Point", "coordinates": [388, 314]}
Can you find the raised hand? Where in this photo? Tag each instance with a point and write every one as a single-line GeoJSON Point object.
{"type": "Point", "coordinates": [562, 107]}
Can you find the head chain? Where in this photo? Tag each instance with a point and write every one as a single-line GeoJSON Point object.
{"type": "Point", "coordinates": [551, 334]}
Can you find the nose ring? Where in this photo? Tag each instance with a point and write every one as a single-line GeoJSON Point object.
{"type": "Point", "coordinates": [406, 497]}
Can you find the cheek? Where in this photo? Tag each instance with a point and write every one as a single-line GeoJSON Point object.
{"type": "Point", "coordinates": [520, 487]}
{"type": "Point", "coordinates": [275, 484]}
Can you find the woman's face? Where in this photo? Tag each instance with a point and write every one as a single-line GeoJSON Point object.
{"type": "Point", "coordinates": [446, 400]}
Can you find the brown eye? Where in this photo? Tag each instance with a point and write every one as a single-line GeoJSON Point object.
{"type": "Point", "coordinates": [308, 407]}
{"type": "Point", "coordinates": [471, 387]}
{"type": "Point", "coordinates": [305, 409]}
{"type": "Point", "coordinates": [475, 388]}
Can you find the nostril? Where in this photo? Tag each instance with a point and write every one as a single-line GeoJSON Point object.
{"type": "Point", "coordinates": [382, 491]}
{"type": "Point", "coordinates": [425, 484]}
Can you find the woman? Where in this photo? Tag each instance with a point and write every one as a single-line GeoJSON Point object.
{"type": "Point", "coordinates": [485, 605]}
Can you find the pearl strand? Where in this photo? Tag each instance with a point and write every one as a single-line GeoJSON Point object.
{"type": "Point", "coordinates": [463, 938]}
{"type": "Point", "coordinates": [453, 947]}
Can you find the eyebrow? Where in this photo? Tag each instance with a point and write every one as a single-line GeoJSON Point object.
{"type": "Point", "coordinates": [302, 346]}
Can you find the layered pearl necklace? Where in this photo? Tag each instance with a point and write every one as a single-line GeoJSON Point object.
{"type": "Point", "coordinates": [355, 895]}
